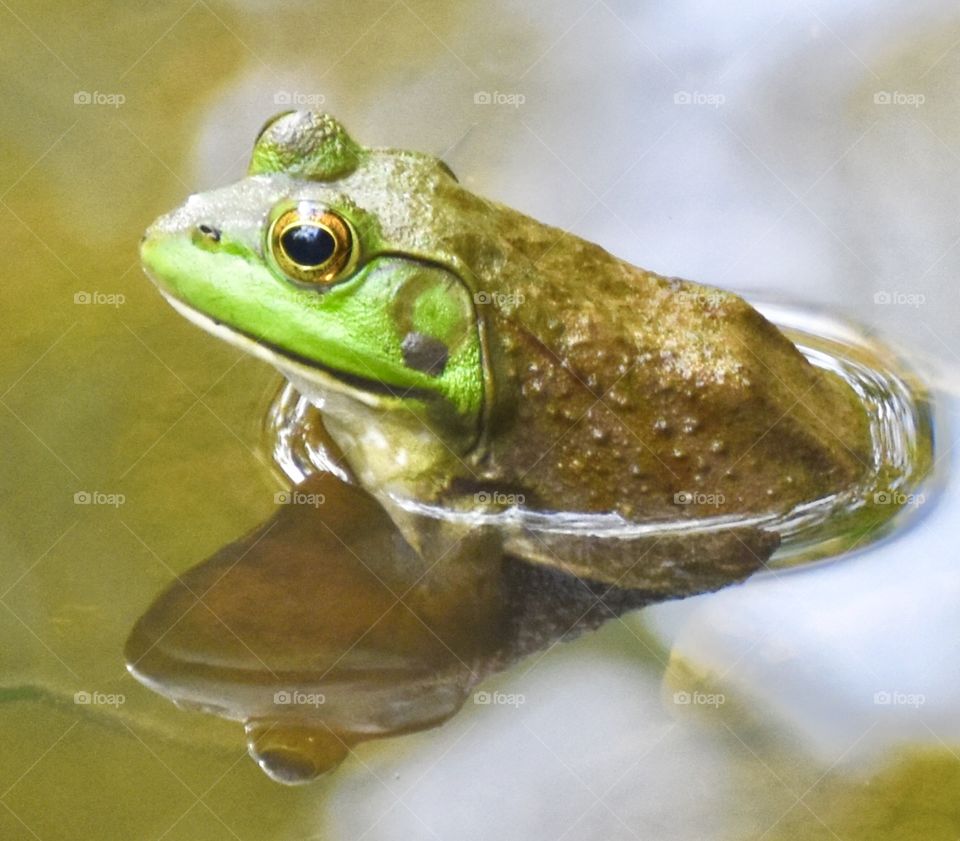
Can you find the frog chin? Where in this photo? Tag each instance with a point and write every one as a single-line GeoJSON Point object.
{"type": "Point", "coordinates": [313, 380]}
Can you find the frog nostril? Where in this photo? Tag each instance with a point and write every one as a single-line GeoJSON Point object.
{"type": "Point", "coordinates": [209, 232]}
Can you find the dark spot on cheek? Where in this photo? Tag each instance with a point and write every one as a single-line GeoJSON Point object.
{"type": "Point", "coordinates": [424, 353]}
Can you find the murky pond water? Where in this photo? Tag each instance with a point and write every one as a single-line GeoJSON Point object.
{"type": "Point", "coordinates": [806, 703]}
{"type": "Point", "coordinates": [324, 628]}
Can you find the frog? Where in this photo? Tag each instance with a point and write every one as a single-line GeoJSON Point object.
{"type": "Point", "coordinates": [466, 357]}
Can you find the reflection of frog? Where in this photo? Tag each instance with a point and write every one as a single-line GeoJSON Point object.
{"type": "Point", "coordinates": [323, 628]}
{"type": "Point", "coordinates": [469, 359]}
{"type": "Point", "coordinates": [464, 354]}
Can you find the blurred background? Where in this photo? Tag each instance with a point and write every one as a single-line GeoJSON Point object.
{"type": "Point", "coordinates": [804, 150]}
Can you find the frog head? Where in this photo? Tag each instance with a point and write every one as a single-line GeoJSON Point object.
{"type": "Point", "coordinates": [328, 261]}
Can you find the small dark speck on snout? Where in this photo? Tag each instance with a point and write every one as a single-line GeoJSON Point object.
{"type": "Point", "coordinates": [424, 353]}
{"type": "Point", "coordinates": [209, 232]}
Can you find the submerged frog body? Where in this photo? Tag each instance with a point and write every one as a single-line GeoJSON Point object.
{"type": "Point", "coordinates": [467, 364]}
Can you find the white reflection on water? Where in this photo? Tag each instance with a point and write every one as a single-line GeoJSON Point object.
{"type": "Point", "coordinates": [866, 651]}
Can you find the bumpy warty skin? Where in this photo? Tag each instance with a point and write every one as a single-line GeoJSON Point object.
{"type": "Point", "coordinates": [616, 389]}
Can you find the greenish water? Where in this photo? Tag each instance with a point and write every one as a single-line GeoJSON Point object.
{"type": "Point", "coordinates": [106, 392]}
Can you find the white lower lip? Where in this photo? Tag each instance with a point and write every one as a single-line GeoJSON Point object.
{"type": "Point", "coordinates": [316, 376]}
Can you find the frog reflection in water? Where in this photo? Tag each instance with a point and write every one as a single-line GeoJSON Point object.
{"type": "Point", "coordinates": [465, 358]}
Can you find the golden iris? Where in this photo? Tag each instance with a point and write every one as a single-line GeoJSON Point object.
{"type": "Point", "coordinates": [311, 244]}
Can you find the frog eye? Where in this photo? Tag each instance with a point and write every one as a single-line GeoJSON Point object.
{"type": "Point", "coordinates": [311, 244]}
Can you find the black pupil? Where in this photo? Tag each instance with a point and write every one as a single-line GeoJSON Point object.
{"type": "Point", "coordinates": [308, 245]}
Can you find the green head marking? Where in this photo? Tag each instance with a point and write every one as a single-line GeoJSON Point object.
{"type": "Point", "coordinates": [291, 264]}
